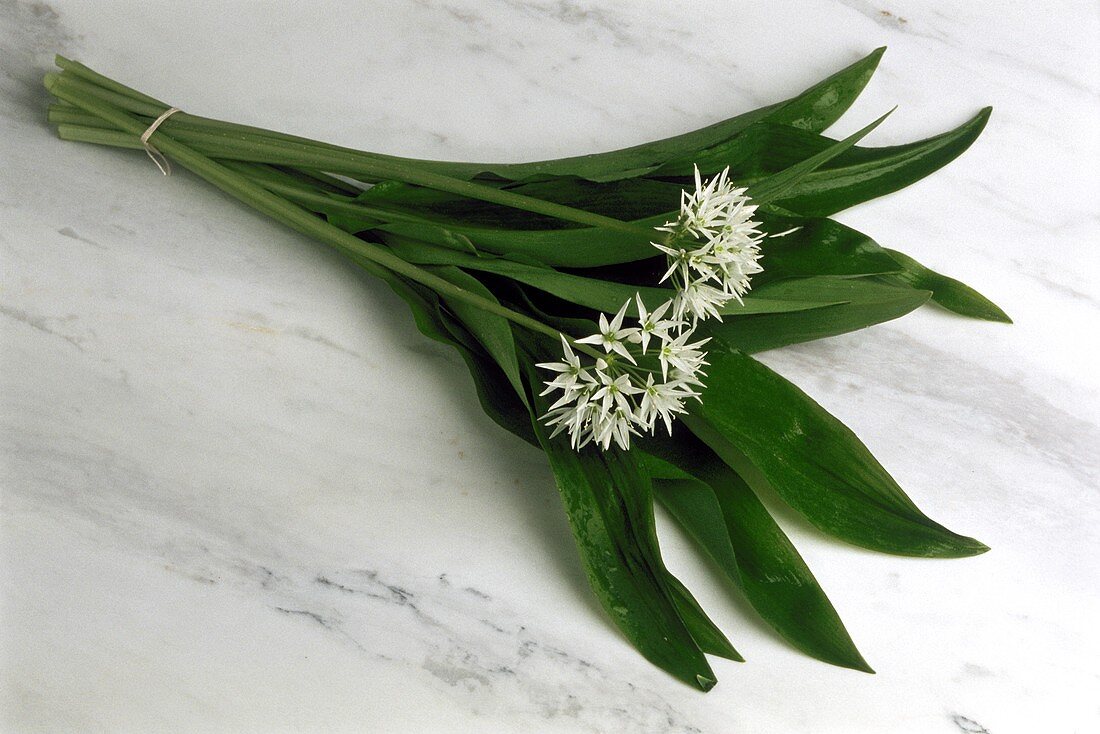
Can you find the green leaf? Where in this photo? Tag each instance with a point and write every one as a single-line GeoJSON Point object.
{"type": "Point", "coordinates": [769, 431]}
{"type": "Point", "coordinates": [730, 524]}
{"type": "Point", "coordinates": [813, 109]}
{"type": "Point", "coordinates": [821, 105]}
{"type": "Point", "coordinates": [605, 496]}
{"type": "Point", "coordinates": [868, 173]}
{"type": "Point", "coordinates": [818, 247]}
{"type": "Point", "coordinates": [779, 185]}
{"type": "Point", "coordinates": [497, 396]}
{"type": "Point", "coordinates": [706, 634]}
{"type": "Point", "coordinates": [594, 246]}
{"type": "Point", "coordinates": [575, 247]}
{"type": "Point", "coordinates": [947, 292]}
{"type": "Point", "coordinates": [492, 331]}
{"type": "Point", "coordinates": [601, 295]}
{"type": "Point", "coordinates": [864, 304]}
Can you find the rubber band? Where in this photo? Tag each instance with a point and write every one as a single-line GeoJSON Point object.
{"type": "Point", "coordinates": [155, 155]}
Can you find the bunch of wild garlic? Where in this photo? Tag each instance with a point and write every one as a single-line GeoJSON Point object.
{"type": "Point", "coordinates": [519, 267]}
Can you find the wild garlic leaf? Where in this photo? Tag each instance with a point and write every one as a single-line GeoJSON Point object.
{"type": "Point", "coordinates": [723, 515]}
{"type": "Point", "coordinates": [779, 185]}
{"type": "Point", "coordinates": [770, 432]}
{"type": "Point", "coordinates": [822, 104]}
{"type": "Point", "coordinates": [813, 109]}
{"type": "Point", "coordinates": [492, 331]}
{"type": "Point", "coordinates": [863, 303]}
{"type": "Point", "coordinates": [868, 173]}
{"type": "Point", "coordinates": [818, 246]}
{"type": "Point", "coordinates": [704, 631]}
{"type": "Point", "coordinates": [947, 292]}
{"type": "Point", "coordinates": [602, 492]}
{"type": "Point", "coordinates": [601, 295]}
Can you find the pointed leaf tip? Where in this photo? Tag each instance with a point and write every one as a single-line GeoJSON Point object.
{"type": "Point", "coordinates": [816, 464]}
{"type": "Point", "coordinates": [968, 547]}
{"type": "Point", "coordinates": [704, 683]}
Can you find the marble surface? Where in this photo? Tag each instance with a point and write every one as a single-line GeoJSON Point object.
{"type": "Point", "coordinates": [241, 494]}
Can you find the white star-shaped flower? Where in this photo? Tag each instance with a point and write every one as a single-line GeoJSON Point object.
{"type": "Point", "coordinates": [569, 369]}
{"type": "Point", "coordinates": [679, 354]}
{"type": "Point", "coordinates": [660, 400]}
{"type": "Point", "coordinates": [612, 337]}
{"type": "Point", "coordinates": [652, 325]}
{"type": "Point", "coordinates": [617, 425]}
{"type": "Point", "coordinates": [700, 301]}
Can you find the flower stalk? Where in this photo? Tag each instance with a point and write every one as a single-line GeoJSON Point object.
{"type": "Point", "coordinates": [289, 214]}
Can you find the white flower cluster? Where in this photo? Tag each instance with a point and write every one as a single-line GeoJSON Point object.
{"type": "Point", "coordinates": [712, 249]}
{"type": "Point", "coordinates": [616, 397]}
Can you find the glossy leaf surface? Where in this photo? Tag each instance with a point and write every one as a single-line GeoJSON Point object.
{"type": "Point", "coordinates": [767, 429]}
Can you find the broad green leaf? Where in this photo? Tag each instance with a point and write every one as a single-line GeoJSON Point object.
{"type": "Point", "coordinates": [850, 178]}
{"type": "Point", "coordinates": [771, 172]}
{"type": "Point", "coordinates": [821, 105]}
{"type": "Point", "coordinates": [765, 189]}
{"type": "Point", "coordinates": [868, 173]}
{"type": "Point", "coordinates": [736, 531]}
{"type": "Point", "coordinates": [601, 295]}
{"type": "Point", "coordinates": [724, 516]}
{"type": "Point", "coordinates": [706, 634]}
{"type": "Point", "coordinates": [819, 246]}
{"type": "Point", "coordinates": [768, 430]}
{"type": "Point", "coordinates": [492, 331]}
{"type": "Point", "coordinates": [779, 185]}
{"type": "Point", "coordinates": [604, 494]}
{"type": "Point", "coordinates": [497, 396]}
{"type": "Point", "coordinates": [864, 304]}
{"type": "Point", "coordinates": [813, 109]}
{"type": "Point", "coordinates": [948, 292]}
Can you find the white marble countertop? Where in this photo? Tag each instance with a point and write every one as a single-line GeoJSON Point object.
{"type": "Point", "coordinates": [242, 494]}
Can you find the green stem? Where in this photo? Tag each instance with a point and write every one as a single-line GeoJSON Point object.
{"type": "Point", "coordinates": [298, 152]}
{"type": "Point", "coordinates": [80, 70]}
{"type": "Point", "coordinates": [298, 192]}
{"type": "Point", "coordinates": [289, 214]}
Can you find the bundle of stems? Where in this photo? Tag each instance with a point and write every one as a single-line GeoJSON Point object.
{"type": "Point", "coordinates": [518, 266]}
